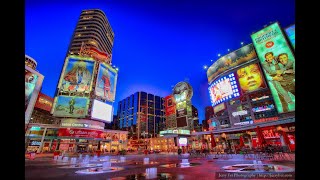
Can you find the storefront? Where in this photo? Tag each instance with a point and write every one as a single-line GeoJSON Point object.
{"type": "Point", "coordinates": [48, 138]}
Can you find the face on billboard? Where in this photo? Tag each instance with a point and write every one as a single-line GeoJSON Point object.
{"type": "Point", "coordinates": [250, 78]}
{"type": "Point", "coordinates": [290, 31]}
{"type": "Point", "coordinates": [30, 84]}
{"type": "Point", "coordinates": [106, 82]}
{"type": "Point", "coordinates": [71, 106]}
{"type": "Point", "coordinates": [77, 76]}
{"type": "Point", "coordinates": [223, 89]}
{"type": "Point", "coordinates": [278, 64]}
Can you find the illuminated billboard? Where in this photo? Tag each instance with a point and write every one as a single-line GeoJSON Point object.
{"type": "Point", "coordinates": [250, 78]}
{"type": "Point", "coordinates": [278, 64]}
{"type": "Point", "coordinates": [170, 106]}
{"type": "Point", "coordinates": [243, 55]}
{"type": "Point", "coordinates": [291, 34]}
{"type": "Point", "coordinates": [106, 82]}
{"type": "Point", "coordinates": [33, 82]}
{"type": "Point", "coordinates": [44, 102]}
{"type": "Point", "coordinates": [182, 121]}
{"type": "Point", "coordinates": [101, 111]}
{"type": "Point", "coordinates": [181, 108]}
{"type": "Point", "coordinates": [182, 92]}
{"type": "Point", "coordinates": [224, 89]}
{"type": "Point", "coordinates": [77, 74]}
{"type": "Point", "coordinates": [70, 106]}
{"type": "Point", "coordinates": [182, 141]}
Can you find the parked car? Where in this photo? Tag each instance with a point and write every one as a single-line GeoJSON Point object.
{"type": "Point", "coordinates": [157, 151]}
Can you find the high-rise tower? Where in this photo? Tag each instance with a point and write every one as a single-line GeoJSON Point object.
{"type": "Point", "coordinates": [94, 30]}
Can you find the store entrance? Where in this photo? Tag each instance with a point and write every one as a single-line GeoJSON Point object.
{"type": "Point", "coordinates": [82, 148]}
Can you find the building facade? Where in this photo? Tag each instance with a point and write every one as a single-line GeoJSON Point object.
{"type": "Point", "coordinates": [85, 94]}
{"type": "Point", "coordinates": [141, 114]}
{"type": "Point", "coordinates": [246, 96]}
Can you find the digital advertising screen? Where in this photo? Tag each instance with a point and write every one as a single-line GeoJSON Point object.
{"type": "Point", "coordinates": [243, 55]}
{"type": "Point", "coordinates": [33, 83]}
{"type": "Point", "coordinates": [101, 111]}
{"type": "Point", "coordinates": [70, 106]}
{"type": "Point", "coordinates": [250, 78]}
{"type": "Point", "coordinates": [106, 82]}
{"type": "Point", "coordinates": [182, 121]}
{"type": "Point", "coordinates": [170, 106]}
{"type": "Point", "coordinates": [278, 64]}
{"type": "Point", "coordinates": [224, 89]}
{"type": "Point", "coordinates": [291, 34]}
{"type": "Point", "coordinates": [182, 91]}
{"type": "Point", "coordinates": [77, 74]}
{"type": "Point", "coordinates": [44, 102]}
{"type": "Point", "coordinates": [182, 141]}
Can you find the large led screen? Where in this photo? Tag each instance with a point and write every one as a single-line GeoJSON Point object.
{"type": "Point", "coordinates": [70, 106]}
{"type": "Point", "coordinates": [224, 89]}
{"type": "Point", "coordinates": [291, 34]}
{"type": "Point", "coordinates": [33, 83]}
{"type": "Point", "coordinates": [232, 60]}
{"type": "Point", "coordinates": [182, 141]}
{"type": "Point", "coordinates": [106, 82]}
{"type": "Point", "coordinates": [77, 75]}
{"type": "Point", "coordinates": [278, 64]}
{"type": "Point", "coordinates": [182, 121]}
{"type": "Point", "coordinates": [170, 106]}
{"type": "Point", "coordinates": [101, 111]}
{"type": "Point", "coordinates": [250, 78]}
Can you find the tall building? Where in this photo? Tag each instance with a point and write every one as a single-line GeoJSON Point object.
{"type": "Point", "coordinates": [141, 114]}
{"type": "Point", "coordinates": [94, 30]}
{"type": "Point", "coordinates": [209, 112]}
{"type": "Point", "coordinates": [86, 90]}
{"type": "Point", "coordinates": [195, 118]}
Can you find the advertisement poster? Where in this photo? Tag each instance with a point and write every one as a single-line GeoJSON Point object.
{"type": "Point", "coordinates": [44, 102]}
{"type": "Point", "coordinates": [291, 34]}
{"type": "Point", "coordinates": [30, 84]}
{"type": "Point", "coordinates": [278, 63]}
{"type": "Point", "coordinates": [224, 89]}
{"type": "Point", "coordinates": [231, 60]}
{"type": "Point", "coordinates": [77, 75]}
{"type": "Point", "coordinates": [33, 83]}
{"type": "Point", "coordinates": [106, 82]}
{"type": "Point", "coordinates": [170, 106]}
{"type": "Point", "coordinates": [250, 78]}
{"type": "Point", "coordinates": [71, 106]}
{"type": "Point", "coordinates": [182, 92]}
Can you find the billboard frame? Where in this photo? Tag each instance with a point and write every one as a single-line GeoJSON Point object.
{"type": "Point", "coordinates": [34, 96]}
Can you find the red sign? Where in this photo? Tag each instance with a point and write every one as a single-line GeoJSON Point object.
{"type": "Point", "coordinates": [71, 132]}
{"type": "Point", "coordinates": [170, 106]}
{"type": "Point", "coordinates": [269, 44]}
{"type": "Point", "coordinates": [44, 102]}
{"type": "Point", "coordinates": [266, 119]}
{"type": "Point", "coordinates": [270, 133]}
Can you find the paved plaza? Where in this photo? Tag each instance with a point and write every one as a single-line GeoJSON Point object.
{"type": "Point", "coordinates": [43, 167]}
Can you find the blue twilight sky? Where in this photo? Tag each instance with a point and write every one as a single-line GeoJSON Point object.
{"type": "Point", "coordinates": [157, 42]}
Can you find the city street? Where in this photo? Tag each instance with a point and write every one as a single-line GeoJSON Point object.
{"type": "Point", "coordinates": [204, 168]}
